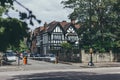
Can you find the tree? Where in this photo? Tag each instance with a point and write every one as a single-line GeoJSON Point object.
{"type": "Point", "coordinates": [8, 4]}
{"type": "Point", "coordinates": [116, 9]}
{"type": "Point", "coordinates": [99, 22]}
{"type": "Point", "coordinates": [1, 11]}
{"type": "Point", "coordinates": [13, 31]}
{"type": "Point", "coordinates": [66, 48]}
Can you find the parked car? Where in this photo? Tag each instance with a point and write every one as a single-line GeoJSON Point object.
{"type": "Point", "coordinates": [24, 54]}
{"type": "Point", "coordinates": [10, 56]}
{"type": "Point", "coordinates": [35, 55]}
{"type": "Point", "coordinates": [50, 57]}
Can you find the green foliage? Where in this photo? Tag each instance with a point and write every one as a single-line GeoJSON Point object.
{"type": "Point", "coordinates": [100, 23]}
{"type": "Point", "coordinates": [22, 47]}
{"type": "Point", "coordinates": [8, 4]}
{"type": "Point", "coordinates": [1, 10]}
{"type": "Point", "coordinates": [66, 45]}
{"type": "Point", "coordinates": [12, 31]}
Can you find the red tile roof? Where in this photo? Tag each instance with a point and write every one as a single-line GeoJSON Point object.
{"type": "Point", "coordinates": [63, 23]}
{"type": "Point", "coordinates": [51, 25]}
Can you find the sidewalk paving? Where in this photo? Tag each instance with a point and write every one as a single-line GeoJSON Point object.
{"type": "Point", "coordinates": [96, 65]}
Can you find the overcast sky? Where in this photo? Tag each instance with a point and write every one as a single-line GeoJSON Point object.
{"type": "Point", "coordinates": [45, 10]}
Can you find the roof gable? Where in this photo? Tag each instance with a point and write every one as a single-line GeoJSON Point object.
{"type": "Point", "coordinates": [52, 26]}
{"type": "Point", "coordinates": [68, 26]}
{"type": "Point", "coordinates": [57, 29]}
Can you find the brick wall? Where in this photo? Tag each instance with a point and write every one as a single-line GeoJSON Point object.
{"type": "Point", "coordinates": [97, 57]}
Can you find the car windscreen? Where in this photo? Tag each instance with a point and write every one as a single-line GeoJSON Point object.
{"type": "Point", "coordinates": [50, 55]}
{"type": "Point", "coordinates": [25, 54]}
{"type": "Point", "coordinates": [10, 54]}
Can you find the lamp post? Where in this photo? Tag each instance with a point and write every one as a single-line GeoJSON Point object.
{"type": "Point", "coordinates": [90, 63]}
{"type": "Point", "coordinates": [91, 59]}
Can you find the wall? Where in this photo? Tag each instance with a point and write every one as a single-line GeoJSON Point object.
{"type": "Point", "coordinates": [97, 57]}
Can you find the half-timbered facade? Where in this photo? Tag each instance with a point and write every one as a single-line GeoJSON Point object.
{"type": "Point", "coordinates": [51, 35]}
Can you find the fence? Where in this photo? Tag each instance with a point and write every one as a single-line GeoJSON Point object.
{"type": "Point", "coordinates": [70, 57]}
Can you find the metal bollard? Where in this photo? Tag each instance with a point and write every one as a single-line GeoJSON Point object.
{"type": "Point", "coordinates": [25, 60]}
{"type": "Point", "coordinates": [56, 60]}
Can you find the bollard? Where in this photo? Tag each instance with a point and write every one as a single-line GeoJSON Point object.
{"type": "Point", "coordinates": [25, 60]}
{"type": "Point", "coordinates": [56, 60]}
{"type": "Point", "coordinates": [1, 62]}
{"type": "Point", "coordinates": [18, 61]}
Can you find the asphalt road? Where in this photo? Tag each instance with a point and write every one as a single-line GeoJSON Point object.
{"type": "Point", "coordinates": [35, 65]}
{"type": "Point", "coordinates": [40, 70]}
{"type": "Point", "coordinates": [69, 74]}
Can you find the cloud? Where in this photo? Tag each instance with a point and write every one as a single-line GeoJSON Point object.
{"type": "Point", "coordinates": [46, 10]}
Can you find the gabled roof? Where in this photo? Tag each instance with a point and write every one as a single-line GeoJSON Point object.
{"type": "Point", "coordinates": [50, 27]}
{"type": "Point", "coordinates": [42, 29]}
{"type": "Point", "coordinates": [68, 25]}
{"type": "Point", "coordinates": [63, 23]}
{"type": "Point", "coordinates": [36, 31]}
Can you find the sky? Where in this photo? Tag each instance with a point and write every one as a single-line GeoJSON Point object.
{"type": "Point", "coordinates": [45, 10]}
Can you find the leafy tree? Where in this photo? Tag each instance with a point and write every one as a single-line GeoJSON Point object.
{"type": "Point", "coordinates": [11, 32]}
{"type": "Point", "coordinates": [67, 49]}
{"type": "Point", "coordinates": [66, 46]}
{"type": "Point", "coordinates": [116, 24]}
{"type": "Point", "coordinates": [99, 21]}
{"type": "Point", "coordinates": [22, 47]}
{"type": "Point", "coordinates": [8, 4]}
{"type": "Point", "coordinates": [1, 11]}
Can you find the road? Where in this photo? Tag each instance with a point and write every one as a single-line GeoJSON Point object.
{"type": "Point", "coordinates": [40, 70]}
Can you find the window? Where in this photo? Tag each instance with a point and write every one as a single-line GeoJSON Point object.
{"type": "Point", "coordinates": [57, 37]}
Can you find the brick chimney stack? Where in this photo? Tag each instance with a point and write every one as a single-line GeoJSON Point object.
{"type": "Point", "coordinates": [45, 24]}
{"type": "Point", "coordinates": [73, 21]}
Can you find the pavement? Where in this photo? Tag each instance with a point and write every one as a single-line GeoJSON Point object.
{"type": "Point", "coordinates": [97, 65]}
{"type": "Point", "coordinates": [41, 65]}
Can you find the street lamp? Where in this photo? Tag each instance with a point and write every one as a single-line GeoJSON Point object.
{"type": "Point", "coordinates": [90, 63]}
{"type": "Point", "coordinates": [91, 60]}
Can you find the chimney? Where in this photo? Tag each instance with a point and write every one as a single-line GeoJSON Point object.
{"type": "Point", "coordinates": [45, 24]}
{"type": "Point", "coordinates": [73, 21]}
{"type": "Point", "coordinates": [63, 21]}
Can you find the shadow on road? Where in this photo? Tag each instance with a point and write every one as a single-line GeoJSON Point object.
{"type": "Point", "coordinates": [67, 76]}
